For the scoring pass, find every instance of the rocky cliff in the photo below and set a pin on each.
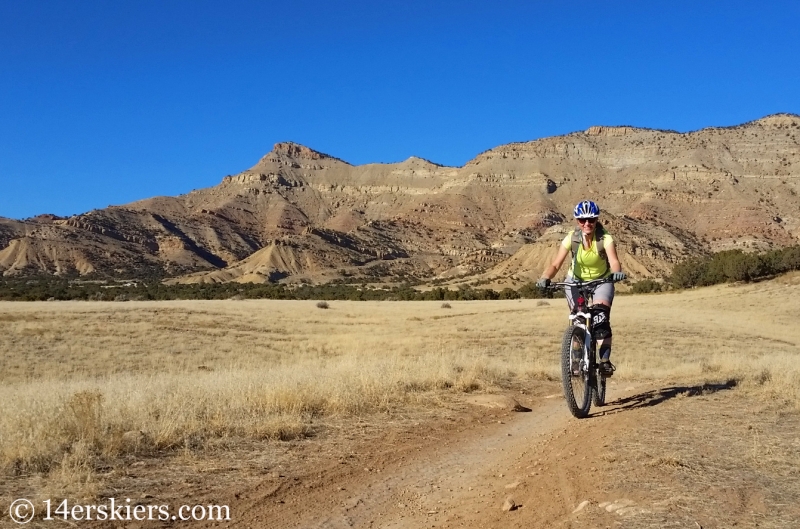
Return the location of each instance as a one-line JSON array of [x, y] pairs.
[[299, 214]]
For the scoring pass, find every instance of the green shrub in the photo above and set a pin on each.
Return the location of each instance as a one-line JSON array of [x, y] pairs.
[[734, 265], [646, 286]]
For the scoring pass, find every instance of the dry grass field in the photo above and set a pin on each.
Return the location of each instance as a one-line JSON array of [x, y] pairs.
[[83, 383]]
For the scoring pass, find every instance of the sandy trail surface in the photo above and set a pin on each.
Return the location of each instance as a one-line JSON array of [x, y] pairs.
[[656, 456], [451, 477], [458, 479], [708, 455]]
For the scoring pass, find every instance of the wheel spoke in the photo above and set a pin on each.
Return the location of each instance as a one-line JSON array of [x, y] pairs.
[[578, 378], [575, 373]]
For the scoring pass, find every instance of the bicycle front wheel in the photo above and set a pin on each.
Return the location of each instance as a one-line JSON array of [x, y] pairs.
[[575, 373]]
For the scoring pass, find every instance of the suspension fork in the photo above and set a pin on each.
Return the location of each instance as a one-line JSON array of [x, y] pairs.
[[587, 344], [586, 325]]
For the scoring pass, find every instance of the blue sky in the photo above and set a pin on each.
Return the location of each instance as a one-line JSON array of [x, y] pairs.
[[106, 102]]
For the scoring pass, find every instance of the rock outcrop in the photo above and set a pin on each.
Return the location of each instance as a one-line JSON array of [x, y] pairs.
[[301, 215]]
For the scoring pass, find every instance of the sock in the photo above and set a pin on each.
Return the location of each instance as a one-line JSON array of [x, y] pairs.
[[605, 352]]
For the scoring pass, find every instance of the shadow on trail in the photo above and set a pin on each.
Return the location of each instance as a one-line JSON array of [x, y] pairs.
[[657, 396]]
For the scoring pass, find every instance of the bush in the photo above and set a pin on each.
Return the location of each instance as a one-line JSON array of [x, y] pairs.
[[509, 293], [531, 291], [734, 265], [646, 286], [322, 305], [687, 274], [446, 306]]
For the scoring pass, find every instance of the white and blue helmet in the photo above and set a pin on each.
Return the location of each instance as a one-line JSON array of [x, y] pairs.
[[586, 210]]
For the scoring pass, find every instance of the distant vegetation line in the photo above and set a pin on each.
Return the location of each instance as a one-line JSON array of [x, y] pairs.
[[734, 265], [50, 288], [721, 267]]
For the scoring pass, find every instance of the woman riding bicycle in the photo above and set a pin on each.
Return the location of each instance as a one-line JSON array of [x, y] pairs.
[[594, 257]]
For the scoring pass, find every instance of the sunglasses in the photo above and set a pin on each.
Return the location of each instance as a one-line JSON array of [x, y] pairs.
[[590, 221]]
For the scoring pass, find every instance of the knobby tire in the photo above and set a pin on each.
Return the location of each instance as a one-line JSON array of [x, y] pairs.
[[577, 388], [599, 393]]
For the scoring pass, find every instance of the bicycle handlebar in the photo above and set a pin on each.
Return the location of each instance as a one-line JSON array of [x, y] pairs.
[[580, 284]]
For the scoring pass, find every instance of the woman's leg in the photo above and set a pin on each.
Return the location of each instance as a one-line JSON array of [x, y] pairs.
[[604, 346], [604, 295], [570, 294]]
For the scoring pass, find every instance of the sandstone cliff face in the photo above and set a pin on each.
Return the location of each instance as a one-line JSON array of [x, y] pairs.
[[302, 215]]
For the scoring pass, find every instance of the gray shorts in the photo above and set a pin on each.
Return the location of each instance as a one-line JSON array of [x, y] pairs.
[[604, 292]]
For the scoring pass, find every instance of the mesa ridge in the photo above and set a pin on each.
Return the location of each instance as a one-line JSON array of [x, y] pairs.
[[302, 215]]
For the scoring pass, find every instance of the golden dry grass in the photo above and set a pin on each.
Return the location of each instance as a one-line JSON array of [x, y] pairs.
[[733, 463], [83, 382]]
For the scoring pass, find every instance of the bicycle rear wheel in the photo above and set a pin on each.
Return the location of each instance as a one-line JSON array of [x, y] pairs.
[[575, 373], [599, 393]]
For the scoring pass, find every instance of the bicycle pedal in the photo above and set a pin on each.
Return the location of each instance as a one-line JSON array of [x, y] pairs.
[[607, 368]]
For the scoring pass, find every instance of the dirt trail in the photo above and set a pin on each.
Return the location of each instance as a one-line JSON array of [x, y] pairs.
[[660, 455], [456, 480], [656, 456], [459, 477]]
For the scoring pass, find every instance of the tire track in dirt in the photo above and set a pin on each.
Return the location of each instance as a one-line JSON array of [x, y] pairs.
[[456, 472], [459, 479], [623, 466], [461, 483]]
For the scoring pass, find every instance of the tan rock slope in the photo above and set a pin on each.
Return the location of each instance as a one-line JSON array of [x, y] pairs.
[[300, 215]]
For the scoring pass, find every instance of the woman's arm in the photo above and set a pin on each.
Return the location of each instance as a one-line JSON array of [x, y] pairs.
[[551, 270], [613, 260]]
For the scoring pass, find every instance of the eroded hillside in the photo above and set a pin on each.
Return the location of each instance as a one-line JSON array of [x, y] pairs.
[[300, 215]]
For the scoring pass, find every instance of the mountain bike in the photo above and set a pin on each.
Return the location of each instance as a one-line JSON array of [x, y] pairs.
[[581, 376]]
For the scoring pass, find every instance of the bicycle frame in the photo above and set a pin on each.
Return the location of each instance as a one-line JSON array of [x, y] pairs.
[[581, 315], [592, 385]]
